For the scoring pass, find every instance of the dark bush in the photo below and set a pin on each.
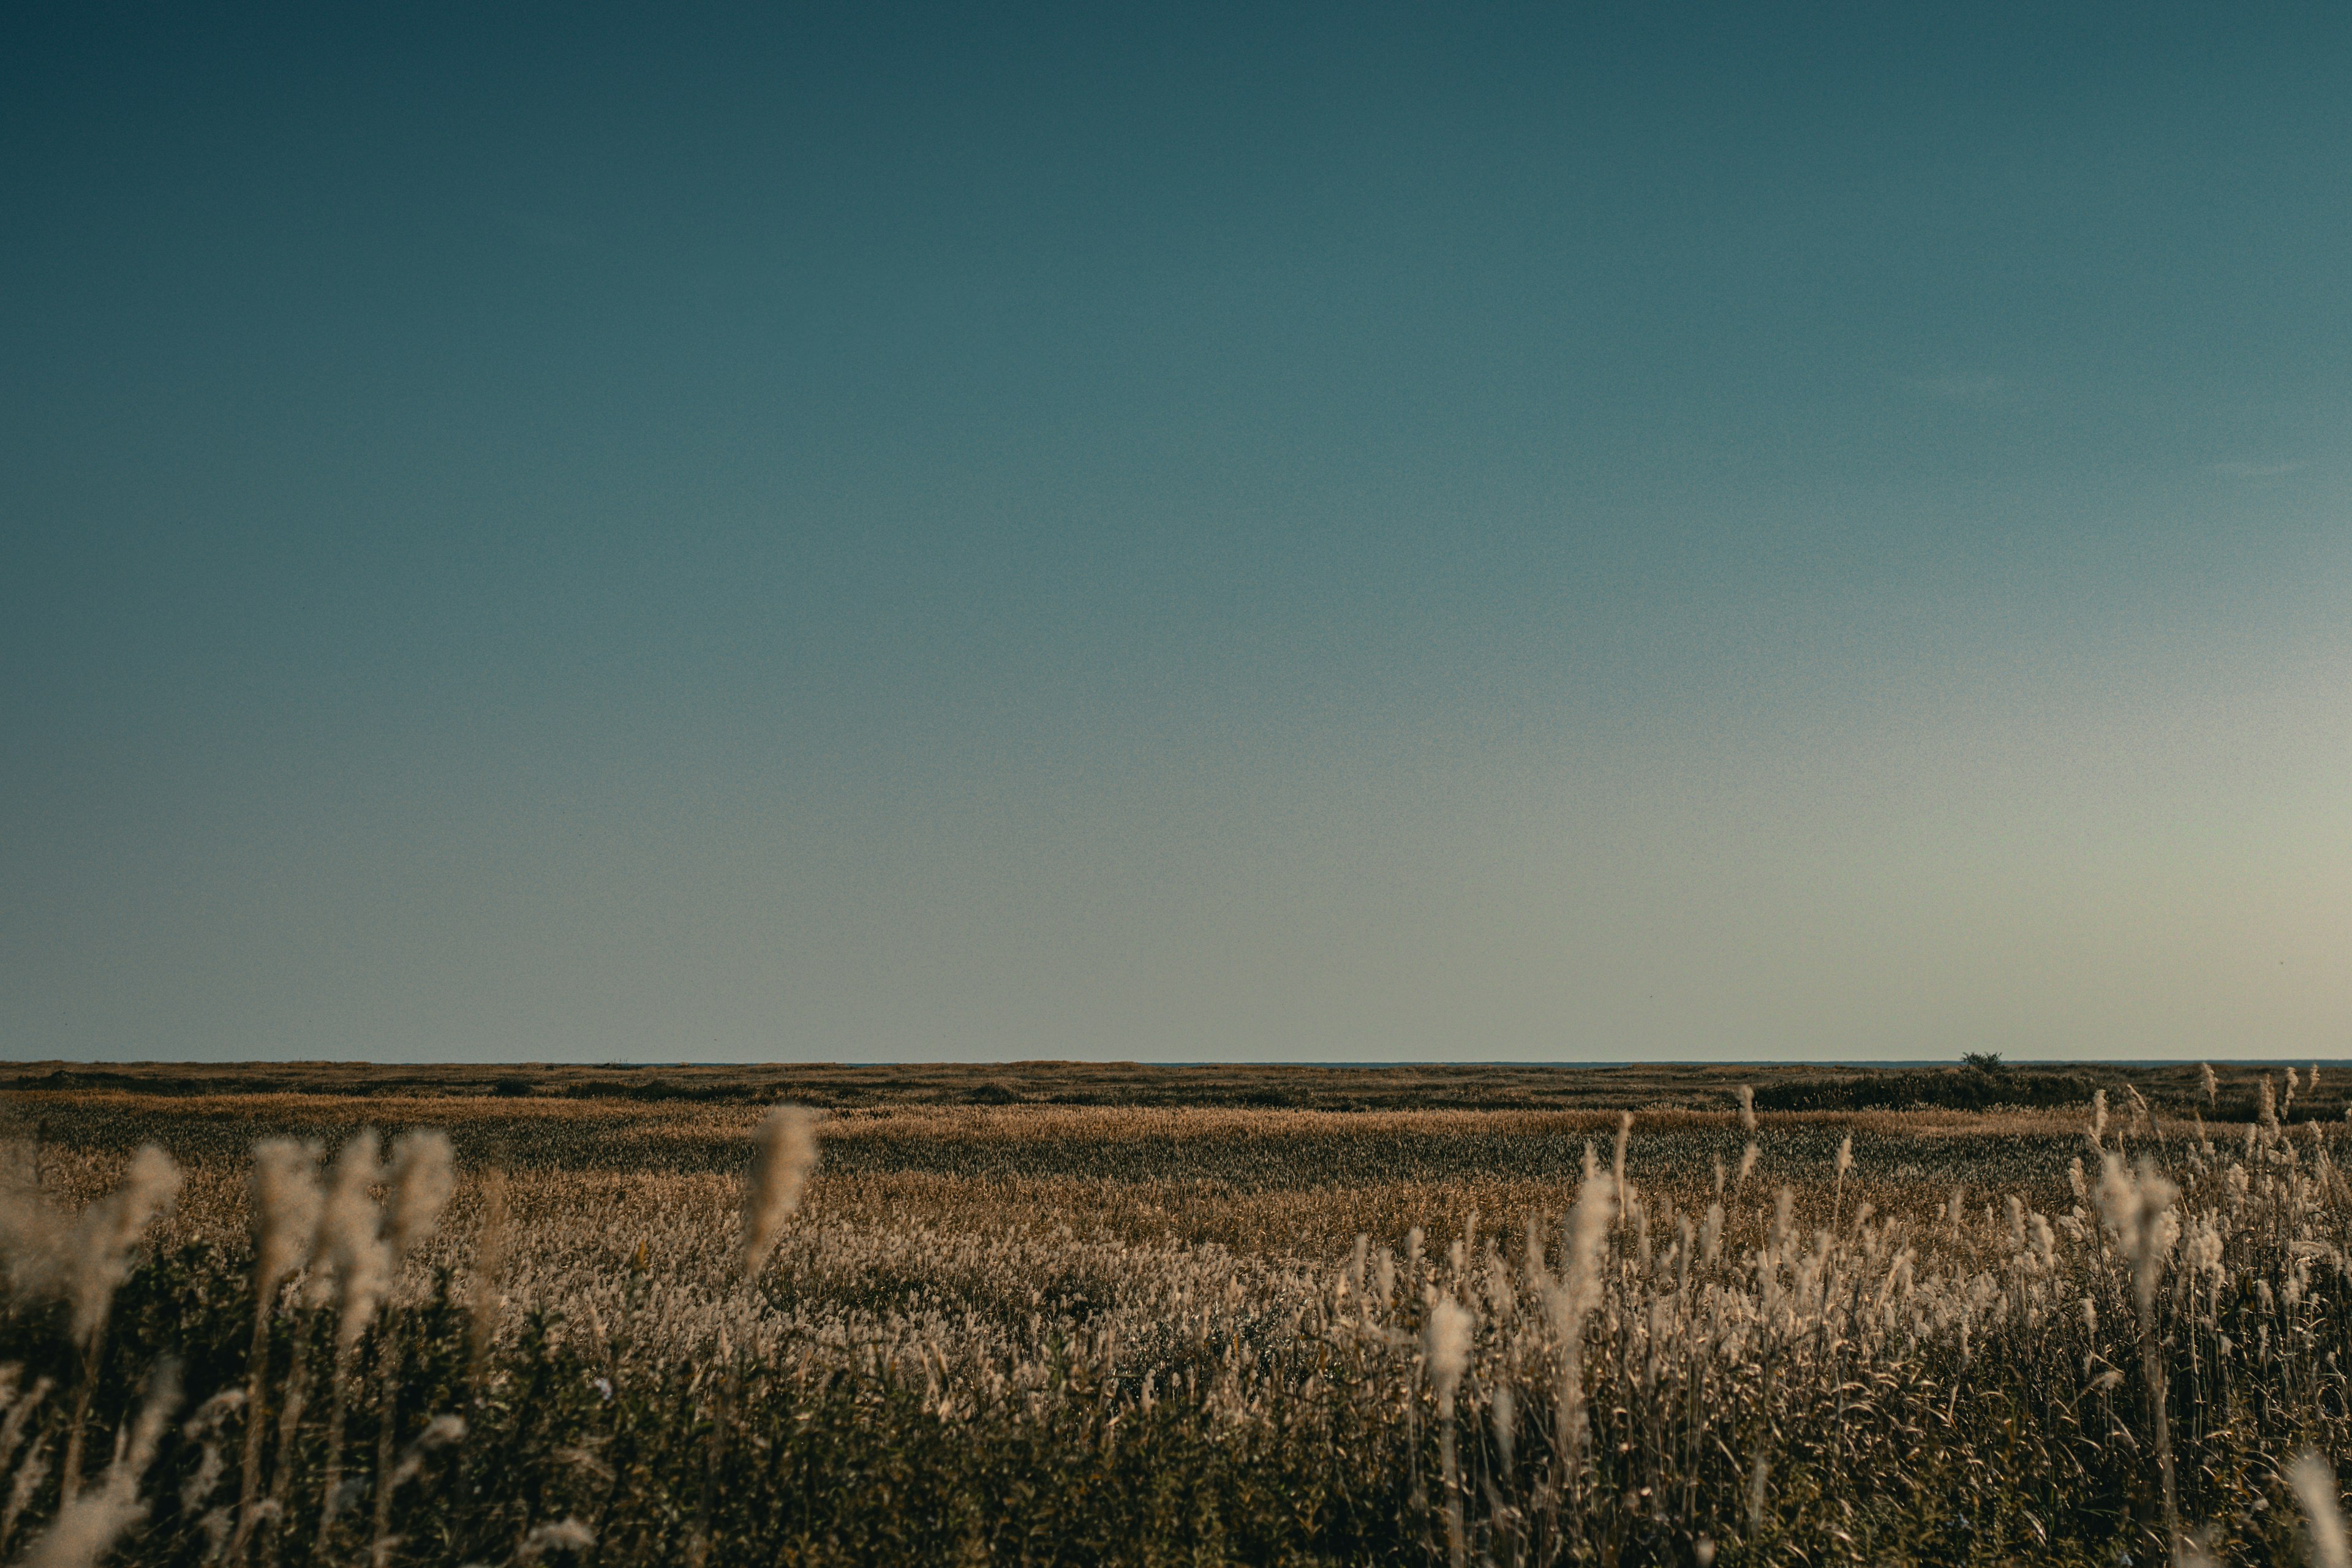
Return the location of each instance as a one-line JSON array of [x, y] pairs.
[[1953, 1089]]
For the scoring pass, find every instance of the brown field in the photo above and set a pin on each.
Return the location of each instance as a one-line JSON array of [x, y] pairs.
[[1045, 1281]]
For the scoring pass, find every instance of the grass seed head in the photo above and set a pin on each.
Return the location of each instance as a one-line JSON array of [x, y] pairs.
[[784, 1152], [421, 1178], [350, 1237], [286, 1204], [109, 1231], [2315, 1486], [1448, 1348]]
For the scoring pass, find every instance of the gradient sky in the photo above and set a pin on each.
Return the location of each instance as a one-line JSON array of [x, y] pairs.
[[1579, 533]]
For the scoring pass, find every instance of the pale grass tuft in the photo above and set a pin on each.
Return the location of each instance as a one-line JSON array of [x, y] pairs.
[[566, 1534], [88, 1526], [285, 1205], [2315, 1486], [350, 1237], [784, 1153], [421, 1179], [1448, 1348]]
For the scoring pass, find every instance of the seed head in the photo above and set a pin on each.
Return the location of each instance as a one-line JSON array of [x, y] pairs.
[[784, 1151], [100, 1257], [285, 1204], [2315, 1486], [1448, 1348], [350, 1237], [421, 1181]]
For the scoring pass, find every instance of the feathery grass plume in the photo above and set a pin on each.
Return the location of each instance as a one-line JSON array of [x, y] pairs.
[[1759, 1483], [88, 1523], [421, 1179], [1746, 1166], [492, 1244], [2288, 1104], [100, 1257], [1503, 1412], [784, 1152], [204, 1427], [2310, 1080], [566, 1534], [439, 1433], [350, 1237], [96, 1259], [2196, 1551], [21, 1487], [1747, 1109], [2269, 1109], [2137, 1209], [2213, 1085], [1448, 1350], [21, 1411], [2098, 1118], [350, 1230], [285, 1205], [2315, 1486], [1573, 1299], [35, 1467]]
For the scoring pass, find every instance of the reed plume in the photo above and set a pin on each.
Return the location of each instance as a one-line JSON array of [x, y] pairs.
[[421, 1176], [84, 1262], [1572, 1300], [88, 1523], [491, 1246], [285, 1206], [1448, 1352], [420, 1179], [2138, 1210], [784, 1152], [351, 1233], [2315, 1486]]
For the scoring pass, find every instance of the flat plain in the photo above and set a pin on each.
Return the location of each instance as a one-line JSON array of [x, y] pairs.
[[1041, 1312]]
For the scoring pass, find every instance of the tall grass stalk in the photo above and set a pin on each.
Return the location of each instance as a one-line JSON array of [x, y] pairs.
[[286, 1201]]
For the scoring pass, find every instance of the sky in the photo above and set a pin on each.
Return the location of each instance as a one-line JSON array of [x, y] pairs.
[[1198, 532]]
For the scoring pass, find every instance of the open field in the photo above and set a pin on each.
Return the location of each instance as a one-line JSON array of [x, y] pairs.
[[1072, 1314]]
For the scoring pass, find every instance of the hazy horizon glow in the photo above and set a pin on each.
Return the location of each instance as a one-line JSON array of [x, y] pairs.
[[1351, 535]]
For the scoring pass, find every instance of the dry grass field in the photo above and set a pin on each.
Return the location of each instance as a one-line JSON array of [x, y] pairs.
[[1040, 1313]]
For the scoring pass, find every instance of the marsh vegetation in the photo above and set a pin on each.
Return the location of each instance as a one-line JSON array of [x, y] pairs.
[[1022, 1318]]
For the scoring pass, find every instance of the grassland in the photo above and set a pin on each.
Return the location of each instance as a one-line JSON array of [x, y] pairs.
[[1053, 1314]]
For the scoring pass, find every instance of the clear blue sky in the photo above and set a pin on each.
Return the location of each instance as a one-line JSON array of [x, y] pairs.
[[1189, 532]]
